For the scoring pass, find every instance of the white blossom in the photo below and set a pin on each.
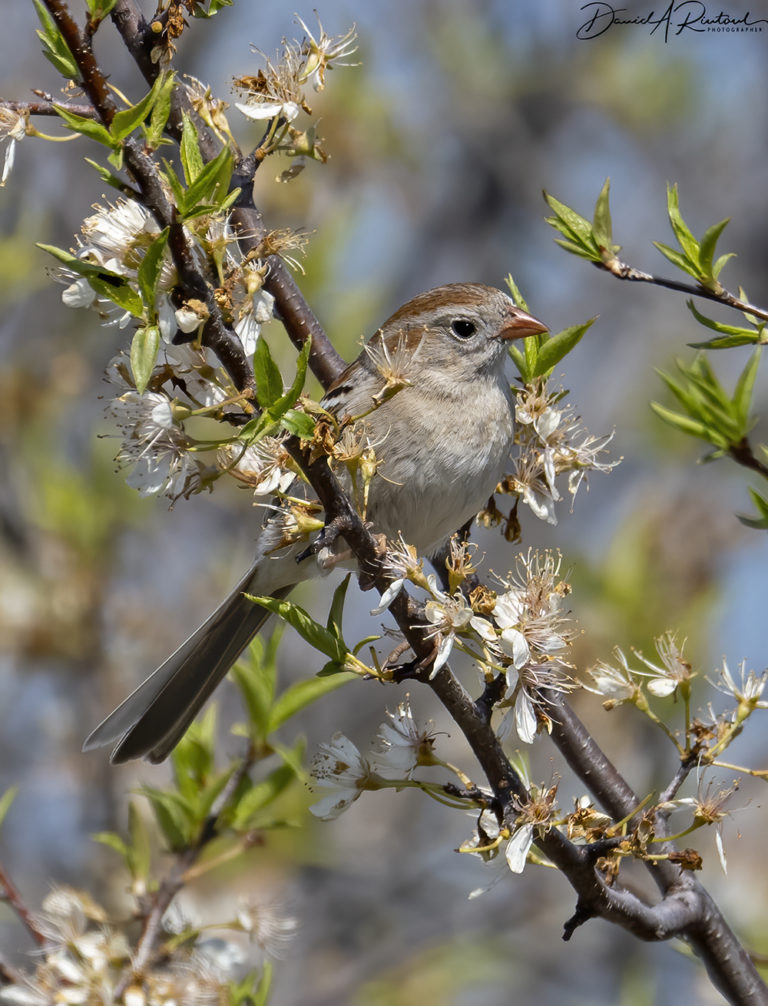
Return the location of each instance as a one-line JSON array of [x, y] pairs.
[[674, 670], [154, 445], [451, 615], [263, 466], [340, 767], [552, 443], [403, 743], [255, 109], [750, 687], [389, 595], [615, 682], [321, 53], [267, 924]]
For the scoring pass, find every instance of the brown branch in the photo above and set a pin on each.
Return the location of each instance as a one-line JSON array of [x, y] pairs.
[[742, 454], [670, 791], [686, 910], [621, 270], [9, 893], [48, 107], [92, 79], [728, 964]]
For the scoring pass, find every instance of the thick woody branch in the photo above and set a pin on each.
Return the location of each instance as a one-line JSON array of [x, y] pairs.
[[728, 964], [686, 911]]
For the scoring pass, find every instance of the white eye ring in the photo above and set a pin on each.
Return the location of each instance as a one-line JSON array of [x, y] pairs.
[[463, 328]]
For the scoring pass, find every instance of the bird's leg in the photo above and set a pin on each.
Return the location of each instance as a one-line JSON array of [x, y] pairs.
[[326, 539], [411, 668]]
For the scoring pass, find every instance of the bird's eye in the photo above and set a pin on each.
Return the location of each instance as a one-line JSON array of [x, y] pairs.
[[463, 328]]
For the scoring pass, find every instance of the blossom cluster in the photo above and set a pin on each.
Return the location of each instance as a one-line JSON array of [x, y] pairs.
[[401, 745], [552, 443], [277, 92], [116, 238], [87, 959], [186, 380], [522, 632]]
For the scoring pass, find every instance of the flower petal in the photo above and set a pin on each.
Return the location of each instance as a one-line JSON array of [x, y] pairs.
[[388, 596], [661, 687], [525, 718], [515, 645], [443, 652], [518, 847]]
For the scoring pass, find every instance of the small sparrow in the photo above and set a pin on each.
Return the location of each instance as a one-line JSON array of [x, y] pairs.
[[444, 441]]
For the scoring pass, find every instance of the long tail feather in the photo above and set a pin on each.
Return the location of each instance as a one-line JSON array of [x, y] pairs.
[[152, 720]]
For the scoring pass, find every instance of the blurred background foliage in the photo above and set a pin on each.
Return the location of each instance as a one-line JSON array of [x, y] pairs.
[[441, 142]]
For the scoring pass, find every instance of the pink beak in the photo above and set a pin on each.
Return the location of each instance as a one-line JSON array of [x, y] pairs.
[[520, 325]]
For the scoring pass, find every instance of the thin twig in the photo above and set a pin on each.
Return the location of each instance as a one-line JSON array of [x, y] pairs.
[[177, 877], [10, 894], [683, 771], [48, 108], [742, 454], [623, 271]]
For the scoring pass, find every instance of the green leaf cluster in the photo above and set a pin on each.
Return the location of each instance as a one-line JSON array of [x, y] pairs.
[[103, 281], [729, 335], [694, 257], [327, 639], [277, 411], [156, 105], [182, 811], [255, 675], [205, 188], [55, 49], [592, 240], [540, 354], [205, 800], [708, 411]]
